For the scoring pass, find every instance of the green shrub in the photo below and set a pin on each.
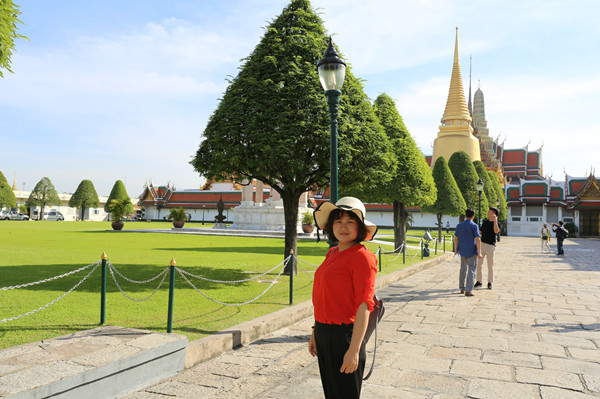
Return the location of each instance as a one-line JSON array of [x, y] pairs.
[[570, 226], [178, 214], [307, 218]]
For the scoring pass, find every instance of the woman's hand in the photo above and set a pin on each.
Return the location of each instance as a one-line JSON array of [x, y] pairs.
[[312, 345], [361, 320], [350, 362]]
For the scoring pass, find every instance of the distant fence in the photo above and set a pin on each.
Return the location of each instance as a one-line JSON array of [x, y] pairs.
[[292, 260]]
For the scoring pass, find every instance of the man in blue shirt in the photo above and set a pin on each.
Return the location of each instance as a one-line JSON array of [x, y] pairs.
[[468, 244]]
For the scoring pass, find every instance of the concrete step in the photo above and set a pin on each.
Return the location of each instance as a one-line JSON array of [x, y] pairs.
[[105, 362]]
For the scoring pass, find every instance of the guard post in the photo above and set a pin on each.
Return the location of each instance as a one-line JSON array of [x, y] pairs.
[[171, 295], [380, 258], [103, 290]]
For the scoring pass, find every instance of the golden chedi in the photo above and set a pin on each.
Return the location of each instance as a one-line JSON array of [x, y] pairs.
[[456, 133]]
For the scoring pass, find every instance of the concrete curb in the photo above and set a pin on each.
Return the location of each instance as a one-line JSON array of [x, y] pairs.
[[104, 362], [207, 348]]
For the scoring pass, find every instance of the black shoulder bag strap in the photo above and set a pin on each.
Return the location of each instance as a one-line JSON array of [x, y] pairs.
[[380, 310]]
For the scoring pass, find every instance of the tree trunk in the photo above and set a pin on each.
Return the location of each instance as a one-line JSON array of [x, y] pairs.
[[82, 212], [41, 215], [290, 211], [400, 218], [439, 223]]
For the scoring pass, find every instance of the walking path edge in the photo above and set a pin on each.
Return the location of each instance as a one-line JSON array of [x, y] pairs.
[[209, 347]]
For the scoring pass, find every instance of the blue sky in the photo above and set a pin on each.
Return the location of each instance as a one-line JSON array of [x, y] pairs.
[[109, 90]]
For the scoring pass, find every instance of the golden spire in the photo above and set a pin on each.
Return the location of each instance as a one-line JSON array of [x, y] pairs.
[[456, 106], [456, 132], [14, 186]]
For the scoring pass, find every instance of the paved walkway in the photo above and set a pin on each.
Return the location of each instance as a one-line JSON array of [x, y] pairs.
[[535, 335]]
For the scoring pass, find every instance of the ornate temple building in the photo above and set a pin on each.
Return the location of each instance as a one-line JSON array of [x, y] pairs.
[[248, 205], [532, 198]]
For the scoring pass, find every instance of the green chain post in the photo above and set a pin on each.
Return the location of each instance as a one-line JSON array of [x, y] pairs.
[[404, 253], [103, 290], [421, 248], [380, 258], [171, 294], [444, 243], [292, 277]]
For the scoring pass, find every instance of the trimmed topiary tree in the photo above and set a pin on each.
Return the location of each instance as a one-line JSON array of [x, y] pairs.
[[488, 187], [44, 194], [500, 195], [7, 196], [466, 177], [411, 182], [84, 197], [118, 192], [449, 199], [273, 121]]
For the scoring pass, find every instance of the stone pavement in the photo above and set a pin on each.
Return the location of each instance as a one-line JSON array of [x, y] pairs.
[[536, 334]]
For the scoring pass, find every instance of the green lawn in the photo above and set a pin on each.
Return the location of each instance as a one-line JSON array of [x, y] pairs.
[[31, 251], [413, 238]]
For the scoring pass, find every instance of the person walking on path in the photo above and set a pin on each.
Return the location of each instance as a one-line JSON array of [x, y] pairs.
[[467, 243], [561, 234], [447, 226], [489, 230], [343, 292], [545, 234]]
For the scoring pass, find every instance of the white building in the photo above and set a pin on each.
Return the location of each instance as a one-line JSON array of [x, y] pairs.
[[70, 214]]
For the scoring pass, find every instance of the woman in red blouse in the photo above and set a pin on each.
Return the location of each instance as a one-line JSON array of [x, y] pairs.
[[343, 297]]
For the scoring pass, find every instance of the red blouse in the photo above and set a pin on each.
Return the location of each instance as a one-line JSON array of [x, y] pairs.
[[342, 282]]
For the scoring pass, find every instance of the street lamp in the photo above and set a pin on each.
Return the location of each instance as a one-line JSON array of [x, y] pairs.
[[203, 206], [498, 207], [332, 70], [479, 186]]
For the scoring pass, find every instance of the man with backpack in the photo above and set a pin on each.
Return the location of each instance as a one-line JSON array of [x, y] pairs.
[[561, 234]]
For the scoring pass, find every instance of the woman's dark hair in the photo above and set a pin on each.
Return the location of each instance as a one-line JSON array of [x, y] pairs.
[[338, 214]]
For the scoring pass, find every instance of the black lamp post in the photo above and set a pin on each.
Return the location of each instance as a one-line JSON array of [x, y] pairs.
[[332, 70], [498, 207], [479, 186]]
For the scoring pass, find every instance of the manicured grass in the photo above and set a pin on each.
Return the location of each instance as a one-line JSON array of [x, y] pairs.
[[413, 238], [31, 251]]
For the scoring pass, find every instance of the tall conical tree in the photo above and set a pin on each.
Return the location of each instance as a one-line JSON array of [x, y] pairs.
[[449, 199], [118, 192], [499, 194], [488, 187], [7, 196], [412, 183], [84, 197], [466, 177], [273, 121], [44, 194]]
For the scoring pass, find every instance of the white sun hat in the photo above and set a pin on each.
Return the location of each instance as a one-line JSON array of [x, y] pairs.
[[321, 214]]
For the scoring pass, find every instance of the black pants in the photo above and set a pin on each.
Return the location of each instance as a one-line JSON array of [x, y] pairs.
[[332, 343], [559, 245]]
